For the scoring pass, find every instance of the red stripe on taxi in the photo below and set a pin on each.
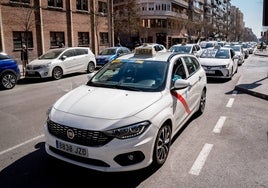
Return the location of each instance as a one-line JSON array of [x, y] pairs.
[[182, 100]]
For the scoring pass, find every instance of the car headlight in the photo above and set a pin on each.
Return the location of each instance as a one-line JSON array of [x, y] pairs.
[[225, 66], [129, 131]]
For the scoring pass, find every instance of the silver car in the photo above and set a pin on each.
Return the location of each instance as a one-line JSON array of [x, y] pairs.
[[61, 61]]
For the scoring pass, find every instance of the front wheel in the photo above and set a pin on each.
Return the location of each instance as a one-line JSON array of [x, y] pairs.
[[162, 145], [8, 80], [57, 73]]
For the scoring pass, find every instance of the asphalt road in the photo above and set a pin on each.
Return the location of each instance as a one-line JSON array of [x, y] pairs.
[[225, 147]]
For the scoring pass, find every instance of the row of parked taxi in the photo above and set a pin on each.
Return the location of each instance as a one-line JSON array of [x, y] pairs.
[[56, 63]]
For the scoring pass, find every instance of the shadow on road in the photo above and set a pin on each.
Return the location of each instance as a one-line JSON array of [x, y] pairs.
[[37, 169]]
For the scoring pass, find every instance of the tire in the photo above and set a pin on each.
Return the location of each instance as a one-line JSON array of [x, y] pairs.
[[90, 67], [8, 80], [162, 145], [57, 73], [202, 103]]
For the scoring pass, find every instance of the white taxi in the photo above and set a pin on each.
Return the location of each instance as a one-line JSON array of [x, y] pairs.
[[126, 115]]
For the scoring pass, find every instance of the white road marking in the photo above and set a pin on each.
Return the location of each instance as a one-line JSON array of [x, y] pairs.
[[219, 124], [230, 103], [21, 144], [201, 159]]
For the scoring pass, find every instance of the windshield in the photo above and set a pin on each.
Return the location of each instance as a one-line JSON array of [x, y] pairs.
[[109, 51], [135, 75], [216, 53], [180, 49], [52, 54]]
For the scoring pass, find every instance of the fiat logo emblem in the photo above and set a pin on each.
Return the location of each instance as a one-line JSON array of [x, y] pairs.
[[70, 133]]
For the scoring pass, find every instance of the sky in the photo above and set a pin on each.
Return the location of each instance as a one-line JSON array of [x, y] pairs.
[[252, 10]]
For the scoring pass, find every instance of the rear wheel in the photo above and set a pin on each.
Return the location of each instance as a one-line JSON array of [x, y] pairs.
[[202, 103], [57, 73], [90, 67], [162, 145], [8, 80]]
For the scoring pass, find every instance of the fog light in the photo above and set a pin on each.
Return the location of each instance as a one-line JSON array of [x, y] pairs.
[[129, 158], [45, 73]]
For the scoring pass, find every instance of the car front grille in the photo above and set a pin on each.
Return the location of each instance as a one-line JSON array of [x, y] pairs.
[[80, 136]]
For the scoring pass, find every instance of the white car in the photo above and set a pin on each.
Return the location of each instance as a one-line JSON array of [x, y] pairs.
[[194, 49], [219, 62], [240, 54], [61, 61], [125, 117]]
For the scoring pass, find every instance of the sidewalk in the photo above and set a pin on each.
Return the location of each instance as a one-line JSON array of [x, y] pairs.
[[254, 76]]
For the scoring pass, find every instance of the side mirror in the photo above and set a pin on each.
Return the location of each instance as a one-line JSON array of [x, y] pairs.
[[181, 84], [236, 57], [63, 57]]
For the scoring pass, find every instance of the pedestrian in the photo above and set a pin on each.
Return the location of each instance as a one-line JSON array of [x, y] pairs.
[[24, 58]]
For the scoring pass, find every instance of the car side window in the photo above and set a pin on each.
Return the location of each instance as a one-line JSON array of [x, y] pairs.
[[80, 51], [178, 71], [68, 53], [190, 64]]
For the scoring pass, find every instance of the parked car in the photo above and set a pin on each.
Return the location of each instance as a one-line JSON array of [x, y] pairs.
[[61, 61], [194, 49], [208, 44], [261, 46], [219, 62], [157, 47], [125, 117], [238, 51], [111, 53], [9, 71]]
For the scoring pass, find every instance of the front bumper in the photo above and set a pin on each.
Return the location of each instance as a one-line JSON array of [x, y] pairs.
[[117, 155], [218, 72]]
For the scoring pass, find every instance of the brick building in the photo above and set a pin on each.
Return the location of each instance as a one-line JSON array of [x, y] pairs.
[[45, 24]]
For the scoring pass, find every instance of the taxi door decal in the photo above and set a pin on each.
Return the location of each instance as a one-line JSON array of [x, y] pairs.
[[182, 100]]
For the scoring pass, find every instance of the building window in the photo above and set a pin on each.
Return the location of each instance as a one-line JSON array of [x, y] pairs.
[[55, 3], [20, 1], [102, 7], [22, 37], [83, 38], [103, 38], [56, 39], [82, 5]]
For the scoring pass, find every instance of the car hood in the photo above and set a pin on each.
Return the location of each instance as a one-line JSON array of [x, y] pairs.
[[105, 103], [213, 61], [40, 61]]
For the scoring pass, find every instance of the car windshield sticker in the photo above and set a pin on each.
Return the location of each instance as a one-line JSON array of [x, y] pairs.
[[182, 100]]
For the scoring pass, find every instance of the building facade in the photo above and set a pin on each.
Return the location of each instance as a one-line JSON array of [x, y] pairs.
[[47, 24], [170, 22]]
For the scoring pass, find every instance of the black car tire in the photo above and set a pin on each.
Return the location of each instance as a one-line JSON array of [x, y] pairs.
[[90, 67], [57, 73], [162, 145], [8, 80], [202, 103]]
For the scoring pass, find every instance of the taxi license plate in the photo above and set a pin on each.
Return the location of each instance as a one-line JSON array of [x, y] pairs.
[[30, 72], [69, 148], [210, 71]]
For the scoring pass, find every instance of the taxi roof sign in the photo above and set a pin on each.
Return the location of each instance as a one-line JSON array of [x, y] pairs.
[[145, 50]]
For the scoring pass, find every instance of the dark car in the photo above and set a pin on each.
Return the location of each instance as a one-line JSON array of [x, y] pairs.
[[9, 71], [111, 53]]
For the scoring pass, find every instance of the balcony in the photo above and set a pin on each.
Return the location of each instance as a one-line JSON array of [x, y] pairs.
[[181, 2], [164, 14]]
